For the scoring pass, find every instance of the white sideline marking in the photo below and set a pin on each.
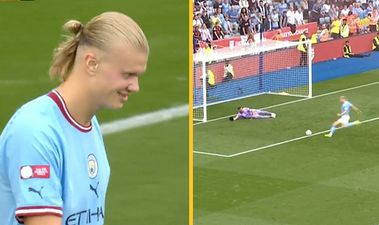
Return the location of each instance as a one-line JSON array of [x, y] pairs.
[[144, 119], [211, 154], [279, 143], [298, 100]]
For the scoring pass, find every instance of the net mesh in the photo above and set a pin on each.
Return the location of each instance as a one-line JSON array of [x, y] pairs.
[[271, 67]]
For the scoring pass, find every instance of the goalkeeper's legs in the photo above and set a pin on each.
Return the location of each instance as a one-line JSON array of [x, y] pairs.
[[265, 115]]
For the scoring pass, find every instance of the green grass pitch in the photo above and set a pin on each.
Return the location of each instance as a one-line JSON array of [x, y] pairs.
[[149, 165], [311, 181]]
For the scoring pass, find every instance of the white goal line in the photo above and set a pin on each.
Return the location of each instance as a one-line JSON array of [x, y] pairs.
[[298, 100], [278, 143]]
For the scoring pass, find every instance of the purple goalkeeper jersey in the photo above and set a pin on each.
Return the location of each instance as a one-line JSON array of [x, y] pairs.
[[247, 113]]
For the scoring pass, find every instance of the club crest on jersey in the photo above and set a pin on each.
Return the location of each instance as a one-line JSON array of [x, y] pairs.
[[92, 166]]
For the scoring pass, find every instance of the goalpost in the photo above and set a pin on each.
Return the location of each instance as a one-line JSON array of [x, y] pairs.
[[268, 67]]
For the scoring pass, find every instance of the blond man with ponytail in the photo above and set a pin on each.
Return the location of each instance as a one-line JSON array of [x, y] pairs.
[[53, 164]]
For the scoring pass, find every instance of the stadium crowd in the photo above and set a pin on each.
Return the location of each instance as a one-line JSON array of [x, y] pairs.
[[219, 19]]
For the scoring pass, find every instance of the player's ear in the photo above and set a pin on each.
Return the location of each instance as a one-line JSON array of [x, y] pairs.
[[91, 63]]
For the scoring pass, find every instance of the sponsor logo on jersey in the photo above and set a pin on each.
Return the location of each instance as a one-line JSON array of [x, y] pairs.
[[36, 191], [86, 217], [36, 171], [92, 166], [94, 189]]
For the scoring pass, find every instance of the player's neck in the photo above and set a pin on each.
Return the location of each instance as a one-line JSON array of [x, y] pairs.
[[77, 101]]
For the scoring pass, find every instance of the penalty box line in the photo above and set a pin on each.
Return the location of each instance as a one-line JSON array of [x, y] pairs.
[[299, 100], [278, 143]]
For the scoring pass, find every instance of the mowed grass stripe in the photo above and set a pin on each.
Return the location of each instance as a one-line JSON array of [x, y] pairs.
[[226, 138]]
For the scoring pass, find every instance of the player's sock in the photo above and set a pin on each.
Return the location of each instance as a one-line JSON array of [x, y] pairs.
[[332, 130], [354, 123]]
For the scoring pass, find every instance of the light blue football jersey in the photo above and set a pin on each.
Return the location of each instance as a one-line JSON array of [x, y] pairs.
[[346, 107], [51, 165]]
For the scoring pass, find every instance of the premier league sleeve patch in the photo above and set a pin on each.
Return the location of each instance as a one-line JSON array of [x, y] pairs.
[[35, 171]]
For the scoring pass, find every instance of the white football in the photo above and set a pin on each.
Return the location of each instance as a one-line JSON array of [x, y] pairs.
[[308, 132]]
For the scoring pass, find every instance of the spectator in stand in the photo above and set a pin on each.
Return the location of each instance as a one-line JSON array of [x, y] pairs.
[[263, 11], [369, 8], [267, 24], [233, 17], [230, 26], [324, 35], [304, 6], [254, 22], [217, 4], [196, 9], [195, 44], [316, 11], [215, 19], [335, 28], [363, 24], [203, 6], [244, 4], [372, 22], [235, 2], [217, 31], [250, 38], [375, 43], [283, 20], [299, 20], [291, 19], [333, 12], [228, 72], [253, 5], [282, 7], [205, 34], [244, 21], [222, 20], [206, 20], [375, 3], [225, 7], [324, 13], [274, 19], [197, 34], [278, 36], [344, 11], [197, 21], [352, 23], [348, 53], [358, 11], [344, 32]]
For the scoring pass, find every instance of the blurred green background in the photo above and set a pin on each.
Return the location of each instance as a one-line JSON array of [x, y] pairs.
[[149, 179]]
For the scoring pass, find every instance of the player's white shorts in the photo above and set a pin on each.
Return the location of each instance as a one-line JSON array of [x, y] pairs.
[[344, 120]]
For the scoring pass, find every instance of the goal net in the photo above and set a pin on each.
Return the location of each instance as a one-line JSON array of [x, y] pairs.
[[268, 67]]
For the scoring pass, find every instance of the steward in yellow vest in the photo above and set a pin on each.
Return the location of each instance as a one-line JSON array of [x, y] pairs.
[[302, 47], [347, 52], [375, 43]]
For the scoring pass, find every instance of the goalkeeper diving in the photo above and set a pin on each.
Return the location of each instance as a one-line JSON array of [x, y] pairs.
[[344, 119], [249, 113]]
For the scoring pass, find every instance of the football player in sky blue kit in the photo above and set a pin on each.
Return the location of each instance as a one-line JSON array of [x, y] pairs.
[[53, 165], [344, 119], [248, 113]]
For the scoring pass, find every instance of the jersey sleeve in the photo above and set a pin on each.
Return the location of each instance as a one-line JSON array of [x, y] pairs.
[[33, 169]]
